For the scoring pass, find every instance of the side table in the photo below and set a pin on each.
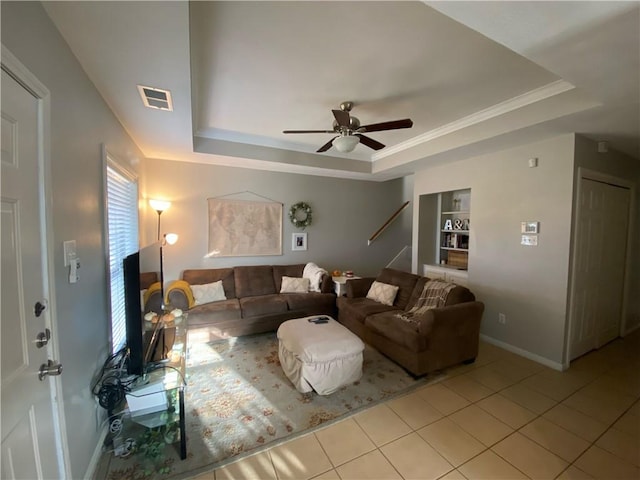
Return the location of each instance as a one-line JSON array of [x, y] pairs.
[[162, 387], [340, 284]]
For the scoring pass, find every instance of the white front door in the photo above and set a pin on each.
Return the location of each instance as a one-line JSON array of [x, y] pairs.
[[28, 435], [599, 266]]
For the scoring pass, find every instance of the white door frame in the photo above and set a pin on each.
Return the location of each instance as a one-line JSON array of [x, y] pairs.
[[588, 174], [12, 66]]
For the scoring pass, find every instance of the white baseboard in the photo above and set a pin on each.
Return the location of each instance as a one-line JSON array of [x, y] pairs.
[[524, 353], [97, 453]]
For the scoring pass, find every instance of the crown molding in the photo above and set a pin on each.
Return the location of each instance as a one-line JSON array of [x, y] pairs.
[[502, 108]]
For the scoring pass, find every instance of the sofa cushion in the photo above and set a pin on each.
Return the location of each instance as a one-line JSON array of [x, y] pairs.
[[294, 285], [263, 305], [388, 325], [210, 275], [359, 308], [254, 280], [312, 303], [215, 311], [280, 271], [209, 292], [404, 280], [383, 293]]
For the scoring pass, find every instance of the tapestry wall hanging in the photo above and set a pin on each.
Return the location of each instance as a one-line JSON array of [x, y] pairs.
[[244, 228]]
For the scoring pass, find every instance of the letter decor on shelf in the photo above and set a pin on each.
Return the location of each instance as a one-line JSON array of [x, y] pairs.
[[388, 222]]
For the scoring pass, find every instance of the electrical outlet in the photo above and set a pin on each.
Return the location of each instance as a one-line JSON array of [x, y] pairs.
[[502, 318]]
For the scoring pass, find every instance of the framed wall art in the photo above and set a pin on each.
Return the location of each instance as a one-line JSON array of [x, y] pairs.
[[244, 228], [299, 241]]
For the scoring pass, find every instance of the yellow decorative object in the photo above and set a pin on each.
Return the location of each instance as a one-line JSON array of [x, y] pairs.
[[154, 287], [185, 288]]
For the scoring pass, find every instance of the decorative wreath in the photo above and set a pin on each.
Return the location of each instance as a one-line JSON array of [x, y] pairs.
[[293, 215]]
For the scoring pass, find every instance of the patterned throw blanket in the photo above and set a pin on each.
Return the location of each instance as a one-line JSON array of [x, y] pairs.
[[434, 295]]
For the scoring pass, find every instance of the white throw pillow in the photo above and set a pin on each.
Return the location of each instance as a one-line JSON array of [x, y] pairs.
[[294, 285], [209, 292], [383, 293]]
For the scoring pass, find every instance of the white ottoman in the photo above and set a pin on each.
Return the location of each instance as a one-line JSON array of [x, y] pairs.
[[321, 357]]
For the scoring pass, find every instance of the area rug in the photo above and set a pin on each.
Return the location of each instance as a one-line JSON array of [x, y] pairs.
[[238, 401]]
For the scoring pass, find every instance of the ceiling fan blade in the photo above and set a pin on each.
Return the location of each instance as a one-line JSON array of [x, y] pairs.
[[326, 146], [370, 142], [393, 125], [308, 131], [342, 117]]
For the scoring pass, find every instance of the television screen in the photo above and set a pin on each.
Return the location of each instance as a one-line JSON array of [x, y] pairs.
[[143, 293]]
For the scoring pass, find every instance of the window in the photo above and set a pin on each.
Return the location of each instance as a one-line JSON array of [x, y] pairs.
[[122, 231]]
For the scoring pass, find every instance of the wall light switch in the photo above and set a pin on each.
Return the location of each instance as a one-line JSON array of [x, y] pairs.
[[69, 248], [529, 240]]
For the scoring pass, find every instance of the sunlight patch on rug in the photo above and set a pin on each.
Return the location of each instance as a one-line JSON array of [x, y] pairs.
[[239, 401]]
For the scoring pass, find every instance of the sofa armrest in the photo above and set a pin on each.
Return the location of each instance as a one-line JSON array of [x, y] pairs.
[[326, 284], [446, 324], [358, 287]]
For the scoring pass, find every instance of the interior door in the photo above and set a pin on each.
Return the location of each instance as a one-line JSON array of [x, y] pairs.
[[616, 207], [599, 267], [28, 437]]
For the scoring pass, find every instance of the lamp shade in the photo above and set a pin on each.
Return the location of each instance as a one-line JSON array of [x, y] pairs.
[[171, 238], [346, 143], [159, 205]]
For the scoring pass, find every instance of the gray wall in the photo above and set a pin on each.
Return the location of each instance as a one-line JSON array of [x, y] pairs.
[[345, 214], [528, 284], [80, 123]]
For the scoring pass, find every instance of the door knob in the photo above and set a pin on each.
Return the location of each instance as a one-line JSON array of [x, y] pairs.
[[49, 368]]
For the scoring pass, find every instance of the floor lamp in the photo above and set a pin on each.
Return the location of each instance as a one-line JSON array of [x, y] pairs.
[[159, 206]]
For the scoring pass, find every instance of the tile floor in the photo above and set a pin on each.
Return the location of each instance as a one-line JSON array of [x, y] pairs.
[[504, 417]]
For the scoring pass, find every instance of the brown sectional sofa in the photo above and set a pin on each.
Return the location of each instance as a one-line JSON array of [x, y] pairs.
[[439, 338], [253, 304]]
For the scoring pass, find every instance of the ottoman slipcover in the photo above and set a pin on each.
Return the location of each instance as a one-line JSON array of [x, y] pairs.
[[321, 357]]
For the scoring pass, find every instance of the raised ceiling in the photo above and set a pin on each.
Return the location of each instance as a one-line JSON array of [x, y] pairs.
[[473, 76]]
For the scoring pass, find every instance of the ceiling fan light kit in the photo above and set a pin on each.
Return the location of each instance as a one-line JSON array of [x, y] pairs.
[[346, 143], [350, 132]]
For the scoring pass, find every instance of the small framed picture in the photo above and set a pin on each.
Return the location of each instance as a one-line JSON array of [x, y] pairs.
[[530, 227], [299, 241]]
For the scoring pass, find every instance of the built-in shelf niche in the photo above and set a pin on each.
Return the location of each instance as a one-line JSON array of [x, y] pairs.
[[444, 229]]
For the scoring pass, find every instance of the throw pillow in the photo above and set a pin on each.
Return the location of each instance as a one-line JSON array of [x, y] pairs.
[[294, 285], [383, 293], [208, 292]]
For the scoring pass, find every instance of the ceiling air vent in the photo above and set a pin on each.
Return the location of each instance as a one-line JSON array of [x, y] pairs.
[[156, 98]]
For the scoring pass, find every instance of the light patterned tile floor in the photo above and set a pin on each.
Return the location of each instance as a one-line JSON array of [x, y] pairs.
[[504, 417]]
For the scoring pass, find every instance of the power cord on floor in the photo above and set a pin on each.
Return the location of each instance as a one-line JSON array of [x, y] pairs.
[[112, 383]]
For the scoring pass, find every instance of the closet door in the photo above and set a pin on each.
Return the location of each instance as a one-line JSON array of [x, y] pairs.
[[599, 268]]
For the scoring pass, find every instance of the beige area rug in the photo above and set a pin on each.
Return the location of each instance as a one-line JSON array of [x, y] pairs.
[[238, 402]]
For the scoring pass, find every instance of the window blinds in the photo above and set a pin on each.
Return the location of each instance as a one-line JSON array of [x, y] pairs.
[[122, 226]]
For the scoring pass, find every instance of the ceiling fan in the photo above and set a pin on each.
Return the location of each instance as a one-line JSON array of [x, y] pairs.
[[350, 132]]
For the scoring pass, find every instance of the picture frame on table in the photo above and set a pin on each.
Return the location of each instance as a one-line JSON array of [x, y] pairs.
[[299, 241]]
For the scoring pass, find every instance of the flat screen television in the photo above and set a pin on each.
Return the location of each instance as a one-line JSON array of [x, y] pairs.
[[140, 270]]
